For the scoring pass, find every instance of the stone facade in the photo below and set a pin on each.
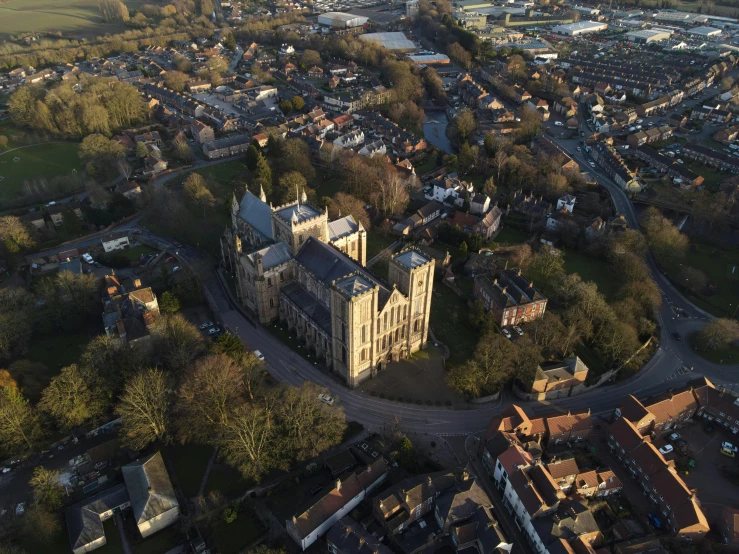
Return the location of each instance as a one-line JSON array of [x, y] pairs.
[[309, 274]]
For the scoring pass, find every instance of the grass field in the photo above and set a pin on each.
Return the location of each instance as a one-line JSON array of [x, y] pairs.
[[728, 355], [451, 325], [592, 269], [79, 18], [717, 264], [42, 160], [377, 242]]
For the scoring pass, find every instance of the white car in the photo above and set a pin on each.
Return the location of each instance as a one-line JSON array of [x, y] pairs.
[[259, 355], [592, 164], [214, 330], [559, 124], [205, 325], [679, 161], [175, 268], [518, 330], [20, 509], [325, 398], [88, 258], [666, 449], [506, 333], [729, 446], [674, 436]]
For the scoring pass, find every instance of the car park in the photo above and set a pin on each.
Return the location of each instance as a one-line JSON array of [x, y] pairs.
[[666, 449], [506, 333], [259, 355], [326, 399]]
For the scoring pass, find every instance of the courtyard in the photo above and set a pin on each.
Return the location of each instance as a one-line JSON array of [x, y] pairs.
[[420, 379]]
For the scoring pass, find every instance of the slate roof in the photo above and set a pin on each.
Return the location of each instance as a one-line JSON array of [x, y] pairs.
[[571, 520], [341, 228], [350, 537], [272, 255], [461, 502], [309, 304], [257, 214], [83, 519], [149, 487], [328, 265], [303, 212], [411, 259]]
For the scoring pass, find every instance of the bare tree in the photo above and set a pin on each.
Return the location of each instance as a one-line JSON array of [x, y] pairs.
[[124, 168], [144, 407]]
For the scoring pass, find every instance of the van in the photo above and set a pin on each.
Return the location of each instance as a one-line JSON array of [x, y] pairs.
[[88, 258]]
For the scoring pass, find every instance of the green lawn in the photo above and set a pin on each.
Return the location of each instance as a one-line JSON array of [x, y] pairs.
[[451, 325], [226, 479], [160, 542], [227, 174], [717, 263], [189, 462], [232, 538], [42, 160], [592, 269], [75, 17], [376, 242], [429, 164], [727, 356], [48, 354], [508, 236], [134, 253], [712, 177]]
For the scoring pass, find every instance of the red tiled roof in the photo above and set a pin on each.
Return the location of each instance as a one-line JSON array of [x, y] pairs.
[[625, 434], [690, 515], [670, 408], [648, 458], [634, 411], [563, 468], [513, 458], [570, 422]]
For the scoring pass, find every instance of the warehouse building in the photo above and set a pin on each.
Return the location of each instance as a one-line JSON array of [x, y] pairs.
[[397, 42], [430, 59], [340, 20], [647, 36], [579, 28], [705, 32]]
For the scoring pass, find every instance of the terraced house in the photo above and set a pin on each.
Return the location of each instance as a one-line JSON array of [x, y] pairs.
[[293, 265]]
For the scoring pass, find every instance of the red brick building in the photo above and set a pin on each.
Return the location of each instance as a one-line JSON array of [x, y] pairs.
[[511, 297]]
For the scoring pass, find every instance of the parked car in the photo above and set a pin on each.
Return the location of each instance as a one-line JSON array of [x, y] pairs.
[[205, 325], [315, 490], [729, 446], [559, 124], [677, 335], [20, 509], [674, 436], [709, 428], [88, 258], [175, 268], [506, 333], [259, 355], [214, 330], [666, 449], [518, 330], [325, 398], [654, 520]]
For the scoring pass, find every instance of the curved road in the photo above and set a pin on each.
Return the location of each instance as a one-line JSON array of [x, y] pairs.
[[669, 368]]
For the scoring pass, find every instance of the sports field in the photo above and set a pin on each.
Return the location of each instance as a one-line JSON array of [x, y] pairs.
[[41, 160], [78, 17]]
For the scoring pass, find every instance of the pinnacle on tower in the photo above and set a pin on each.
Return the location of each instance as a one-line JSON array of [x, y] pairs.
[[304, 197], [262, 196]]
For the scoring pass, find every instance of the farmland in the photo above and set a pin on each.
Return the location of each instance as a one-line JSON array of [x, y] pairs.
[[78, 17]]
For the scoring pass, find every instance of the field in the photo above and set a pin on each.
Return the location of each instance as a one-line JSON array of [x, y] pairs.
[[41, 160], [592, 269], [78, 17], [451, 325]]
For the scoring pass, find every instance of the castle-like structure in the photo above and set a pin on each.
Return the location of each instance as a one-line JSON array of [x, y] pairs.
[[293, 265]]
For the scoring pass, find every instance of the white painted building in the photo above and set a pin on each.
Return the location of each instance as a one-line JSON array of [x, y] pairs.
[[350, 140], [579, 28], [115, 241]]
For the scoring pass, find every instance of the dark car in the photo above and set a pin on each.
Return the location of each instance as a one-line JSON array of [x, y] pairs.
[[678, 336], [709, 428], [315, 490], [654, 520]]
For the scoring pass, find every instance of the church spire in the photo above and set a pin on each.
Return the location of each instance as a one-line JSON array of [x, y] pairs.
[[262, 196]]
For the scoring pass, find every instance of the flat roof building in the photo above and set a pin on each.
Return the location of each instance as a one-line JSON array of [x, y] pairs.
[[341, 20], [705, 32], [397, 42], [579, 28], [646, 36], [430, 59]]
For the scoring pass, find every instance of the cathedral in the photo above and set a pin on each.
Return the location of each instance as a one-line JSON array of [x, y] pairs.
[[293, 265]]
